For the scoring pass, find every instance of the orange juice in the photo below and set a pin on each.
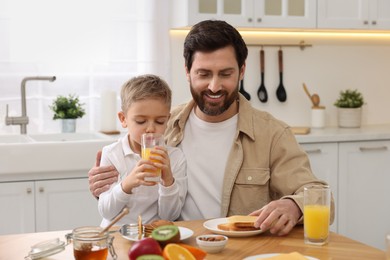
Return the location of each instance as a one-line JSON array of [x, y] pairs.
[[145, 153], [316, 221]]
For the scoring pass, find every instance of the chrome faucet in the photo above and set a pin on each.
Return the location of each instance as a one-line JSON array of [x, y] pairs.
[[23, 119]]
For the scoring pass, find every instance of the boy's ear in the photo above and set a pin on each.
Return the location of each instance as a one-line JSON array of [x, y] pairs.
[[122, 119]]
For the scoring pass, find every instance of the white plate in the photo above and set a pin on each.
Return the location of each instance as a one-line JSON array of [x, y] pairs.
[[212, 225], [254, 257], [184, 234]]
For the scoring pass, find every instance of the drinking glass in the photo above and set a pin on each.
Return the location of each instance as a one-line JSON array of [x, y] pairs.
[[148, 142], [316, 214]]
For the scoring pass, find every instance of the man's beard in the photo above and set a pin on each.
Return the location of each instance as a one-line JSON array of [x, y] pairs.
[[214, 108]]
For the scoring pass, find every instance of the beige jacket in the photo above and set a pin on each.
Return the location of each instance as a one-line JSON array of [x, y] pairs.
[[265, 163]]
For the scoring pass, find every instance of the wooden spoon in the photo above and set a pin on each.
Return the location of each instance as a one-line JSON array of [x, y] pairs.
[[315, 99], [124, 212]]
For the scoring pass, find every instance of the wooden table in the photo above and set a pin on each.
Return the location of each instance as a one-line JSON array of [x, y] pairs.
[[17, 246]]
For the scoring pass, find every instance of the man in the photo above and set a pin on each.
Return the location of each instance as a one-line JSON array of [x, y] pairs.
[[239, 160]]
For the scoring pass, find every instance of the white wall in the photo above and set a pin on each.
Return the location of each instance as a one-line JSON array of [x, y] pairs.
[[330, 65]]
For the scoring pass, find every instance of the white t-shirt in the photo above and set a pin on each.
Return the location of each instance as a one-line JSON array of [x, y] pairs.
[[151, 202], [206, 147]]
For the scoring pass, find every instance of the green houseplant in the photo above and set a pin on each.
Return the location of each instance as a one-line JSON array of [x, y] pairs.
[[349, 106], [68, 109], [350, 99]]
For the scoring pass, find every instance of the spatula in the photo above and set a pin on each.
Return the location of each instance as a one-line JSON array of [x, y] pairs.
[[243, 92]]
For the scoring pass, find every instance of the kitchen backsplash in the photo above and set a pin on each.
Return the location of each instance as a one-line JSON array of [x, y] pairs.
[[327, 67]]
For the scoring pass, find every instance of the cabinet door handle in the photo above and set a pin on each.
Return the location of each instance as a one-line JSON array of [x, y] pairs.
[[314, 151], [29, 190], [41, 189], [365, 22], [377, 148], [259, 20], [373, 22], [250, 20]]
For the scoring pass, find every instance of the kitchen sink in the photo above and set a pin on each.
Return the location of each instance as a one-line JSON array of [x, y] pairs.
[[67, 137], [14, 139], [56, 153]]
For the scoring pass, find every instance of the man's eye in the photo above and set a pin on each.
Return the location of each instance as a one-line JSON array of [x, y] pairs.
[[226, 74]]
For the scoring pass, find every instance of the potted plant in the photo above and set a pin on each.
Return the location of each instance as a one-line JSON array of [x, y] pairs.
[[68, 109], [349, 106]]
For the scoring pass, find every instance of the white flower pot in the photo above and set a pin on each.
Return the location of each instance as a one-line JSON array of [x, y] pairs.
[[349, 117], [68, 125]]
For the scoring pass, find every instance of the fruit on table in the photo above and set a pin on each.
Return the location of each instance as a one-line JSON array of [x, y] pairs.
[[198, 253], [166, 234], [150, 257], [175, 252], [146, 246]]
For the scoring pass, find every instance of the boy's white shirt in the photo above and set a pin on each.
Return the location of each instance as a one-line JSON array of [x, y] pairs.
[[205, 177], [151, 202]]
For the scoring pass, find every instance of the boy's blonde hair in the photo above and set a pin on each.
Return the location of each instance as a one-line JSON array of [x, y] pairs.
[[145, 87]]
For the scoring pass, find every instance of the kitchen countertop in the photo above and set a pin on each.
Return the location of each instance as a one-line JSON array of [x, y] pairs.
[[336, 134]]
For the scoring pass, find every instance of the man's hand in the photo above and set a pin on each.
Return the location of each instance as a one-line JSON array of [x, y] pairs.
[[279, 216], [101, 177]]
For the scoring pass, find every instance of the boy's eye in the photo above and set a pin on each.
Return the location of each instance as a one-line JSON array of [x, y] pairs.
[[161, 122], [140, 122]]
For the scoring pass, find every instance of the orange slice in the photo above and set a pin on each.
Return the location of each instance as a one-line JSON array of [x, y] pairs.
[[176, 252], [198, 253]]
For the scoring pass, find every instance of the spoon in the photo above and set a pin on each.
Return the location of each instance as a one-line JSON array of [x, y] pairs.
[[124, 212], [315, 99], [243, 92], [262, 91], [280, 91]]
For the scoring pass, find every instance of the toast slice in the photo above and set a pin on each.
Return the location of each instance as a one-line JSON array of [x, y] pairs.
[[239, 223]]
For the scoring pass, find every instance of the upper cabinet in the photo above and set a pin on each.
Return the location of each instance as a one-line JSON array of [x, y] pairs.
[[353, 14], [247, 13]]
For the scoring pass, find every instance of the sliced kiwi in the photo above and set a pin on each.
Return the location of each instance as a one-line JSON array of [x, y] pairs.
[[166, 234], [150, 257]]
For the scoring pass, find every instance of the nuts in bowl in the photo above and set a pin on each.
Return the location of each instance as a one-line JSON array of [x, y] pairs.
[[211, 243]]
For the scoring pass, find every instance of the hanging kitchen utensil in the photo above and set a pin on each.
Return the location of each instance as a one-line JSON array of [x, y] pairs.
[[243, 92], [262, 91], [280, 91]]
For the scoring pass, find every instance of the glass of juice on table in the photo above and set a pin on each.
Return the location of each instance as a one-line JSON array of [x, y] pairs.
[[148, 142], [316, 213]]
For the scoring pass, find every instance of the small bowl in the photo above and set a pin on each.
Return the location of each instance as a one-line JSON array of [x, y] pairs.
[[212, 243]]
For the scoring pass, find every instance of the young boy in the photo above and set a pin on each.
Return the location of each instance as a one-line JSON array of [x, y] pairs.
[[146, 104]]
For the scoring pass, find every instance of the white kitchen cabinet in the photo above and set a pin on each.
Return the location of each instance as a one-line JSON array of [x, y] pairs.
[[247, 13], [36, 206], [64, 204], [353, 14], [324, 164], [364, 191], [17, 200]]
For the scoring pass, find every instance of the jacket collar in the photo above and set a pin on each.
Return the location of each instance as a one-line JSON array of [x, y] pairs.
[[245, 116]]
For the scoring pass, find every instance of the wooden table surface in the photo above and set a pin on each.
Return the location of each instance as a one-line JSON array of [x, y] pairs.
[[13, 247]]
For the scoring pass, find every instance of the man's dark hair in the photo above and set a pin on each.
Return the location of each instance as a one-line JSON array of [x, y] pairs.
[[211, 35]]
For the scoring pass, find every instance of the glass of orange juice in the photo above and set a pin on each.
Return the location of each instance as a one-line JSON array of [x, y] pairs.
[[148, 142], [316, 212]]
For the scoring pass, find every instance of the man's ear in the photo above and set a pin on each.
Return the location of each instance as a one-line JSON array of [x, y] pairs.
[[122, 119], [187, 74], [242, 71]]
